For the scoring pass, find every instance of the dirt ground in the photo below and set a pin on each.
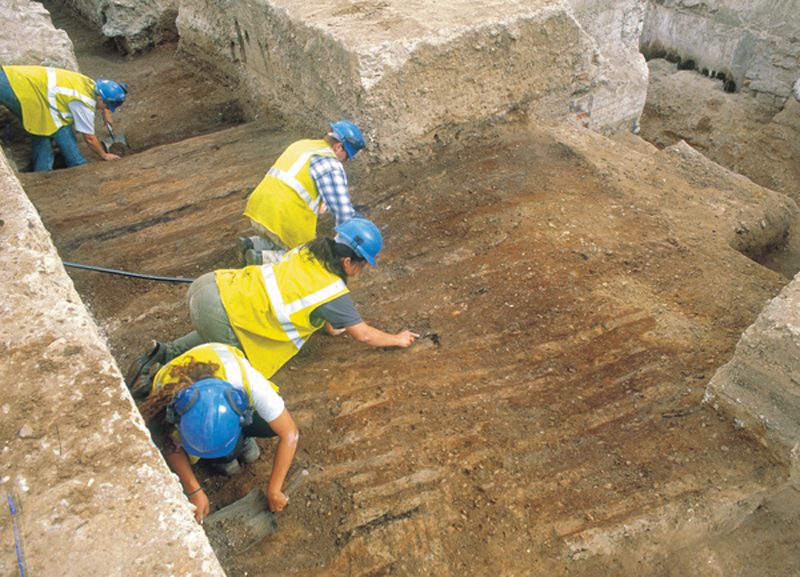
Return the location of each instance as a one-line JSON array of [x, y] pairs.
[[550, 419]]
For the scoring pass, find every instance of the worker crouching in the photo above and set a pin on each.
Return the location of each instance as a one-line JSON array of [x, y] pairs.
[[216, 404], [307, 180]]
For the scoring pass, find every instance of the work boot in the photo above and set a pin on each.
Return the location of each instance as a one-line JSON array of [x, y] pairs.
[[250, 451], [138, 376], [252, 257], [228, 468], [245, 244]]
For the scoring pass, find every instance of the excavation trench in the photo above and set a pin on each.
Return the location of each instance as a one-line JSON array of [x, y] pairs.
[[575, 296]]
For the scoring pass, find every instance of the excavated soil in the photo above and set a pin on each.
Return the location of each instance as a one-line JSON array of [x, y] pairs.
[[549, 421]]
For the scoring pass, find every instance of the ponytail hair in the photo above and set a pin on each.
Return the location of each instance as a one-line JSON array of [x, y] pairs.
[[330, 254]]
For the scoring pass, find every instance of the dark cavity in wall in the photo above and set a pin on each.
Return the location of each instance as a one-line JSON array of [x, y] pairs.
[[656, 50]]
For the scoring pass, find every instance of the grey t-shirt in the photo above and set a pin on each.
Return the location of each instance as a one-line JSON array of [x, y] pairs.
[[340, 312]]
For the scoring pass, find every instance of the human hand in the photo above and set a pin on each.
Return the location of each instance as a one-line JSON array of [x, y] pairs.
[[323, 208], [405, 338], [109, 156], [201, 505], [277, 501]]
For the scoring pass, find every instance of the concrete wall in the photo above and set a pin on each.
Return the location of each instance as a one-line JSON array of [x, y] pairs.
[[754, 43]]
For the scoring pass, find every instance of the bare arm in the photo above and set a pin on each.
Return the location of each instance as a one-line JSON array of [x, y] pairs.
[[97, 148], [287, 444], [179, 462], [373, 337], [332, 331]]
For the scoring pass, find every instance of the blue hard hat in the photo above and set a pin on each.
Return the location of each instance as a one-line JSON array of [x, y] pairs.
[[362, 236], [350, 136], [112, 93], [210, 415]]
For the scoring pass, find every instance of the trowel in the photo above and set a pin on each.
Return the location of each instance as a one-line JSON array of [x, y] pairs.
[[243, 523], [113, 139]]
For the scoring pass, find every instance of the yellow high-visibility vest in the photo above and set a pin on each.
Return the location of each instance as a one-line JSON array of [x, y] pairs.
[[270, 306], [231, 364], [45, 93], [287, 200]]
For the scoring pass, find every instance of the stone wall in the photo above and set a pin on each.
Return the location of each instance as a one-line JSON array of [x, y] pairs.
[[619, 93], [754, 44], [760, 387], [132, 24], [408, 74], [29, 37], [92, 491], [411, 74]]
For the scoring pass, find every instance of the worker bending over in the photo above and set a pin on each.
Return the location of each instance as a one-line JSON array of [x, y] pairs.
[[49, 101], [307, 179]]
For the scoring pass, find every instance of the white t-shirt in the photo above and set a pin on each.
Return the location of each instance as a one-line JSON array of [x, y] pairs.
[[83, 115], [266, 401]]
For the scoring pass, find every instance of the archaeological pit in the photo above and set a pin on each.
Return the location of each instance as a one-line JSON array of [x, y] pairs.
[[590, 216]]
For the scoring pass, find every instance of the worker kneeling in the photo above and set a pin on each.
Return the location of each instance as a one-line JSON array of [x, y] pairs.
[[270, 311], [217, 403]]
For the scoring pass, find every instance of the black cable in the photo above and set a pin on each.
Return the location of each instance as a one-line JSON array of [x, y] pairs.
[[126, 273]]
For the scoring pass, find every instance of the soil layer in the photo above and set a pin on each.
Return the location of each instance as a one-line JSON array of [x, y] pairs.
[[549, 420]]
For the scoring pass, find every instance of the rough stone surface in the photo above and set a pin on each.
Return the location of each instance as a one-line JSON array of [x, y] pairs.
[[754, 43], [618, 96], [737, 131], [412, 73], [92, 489], [29, 37], [760, 386], [132, 24]]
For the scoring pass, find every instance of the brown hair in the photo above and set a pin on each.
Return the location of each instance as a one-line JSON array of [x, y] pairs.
[[180, 376]]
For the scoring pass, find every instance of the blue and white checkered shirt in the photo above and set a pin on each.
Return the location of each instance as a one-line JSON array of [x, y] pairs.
[[329, 176]]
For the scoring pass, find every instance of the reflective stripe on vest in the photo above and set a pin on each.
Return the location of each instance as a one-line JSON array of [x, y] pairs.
[[235, 372], [283, 311], [289, 179], [45, 93]]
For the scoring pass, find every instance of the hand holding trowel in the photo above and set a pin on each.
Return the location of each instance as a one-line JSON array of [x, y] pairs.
[[242, 524], [113, 139]]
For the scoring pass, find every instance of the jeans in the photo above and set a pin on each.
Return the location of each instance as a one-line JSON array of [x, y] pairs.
[[42, 149], [7, 96], [42, 146]]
